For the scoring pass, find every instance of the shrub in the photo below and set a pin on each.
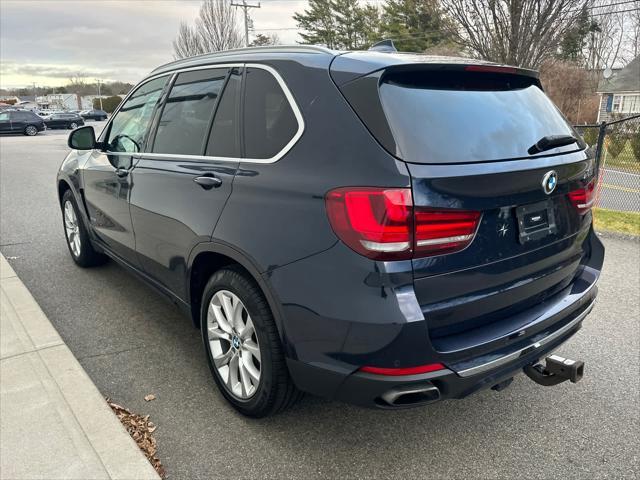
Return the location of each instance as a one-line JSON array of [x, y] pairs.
[[615, 143], [591, 136], [109, 104], [635, 146]]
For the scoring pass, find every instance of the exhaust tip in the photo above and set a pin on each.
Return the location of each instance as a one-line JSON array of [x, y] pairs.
[[410, 396]]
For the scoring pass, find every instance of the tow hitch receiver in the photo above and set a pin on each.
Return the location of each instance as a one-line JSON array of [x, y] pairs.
[[556, 371]]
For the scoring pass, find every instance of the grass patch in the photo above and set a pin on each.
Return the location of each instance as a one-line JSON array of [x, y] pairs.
[[622, 222], [625, 160]]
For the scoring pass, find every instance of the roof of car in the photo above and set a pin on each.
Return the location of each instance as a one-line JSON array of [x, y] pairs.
[[365, 59]]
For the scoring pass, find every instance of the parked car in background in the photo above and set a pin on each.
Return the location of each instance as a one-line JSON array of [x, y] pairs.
[[94, 115], [422, 233], [64, 120], [21, 121]]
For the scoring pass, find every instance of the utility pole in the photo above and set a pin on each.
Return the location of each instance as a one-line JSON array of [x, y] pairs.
[[245, 6], [99, 95]]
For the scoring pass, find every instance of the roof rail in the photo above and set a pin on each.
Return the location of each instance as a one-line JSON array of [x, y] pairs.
[[235, 51], [385, 46]]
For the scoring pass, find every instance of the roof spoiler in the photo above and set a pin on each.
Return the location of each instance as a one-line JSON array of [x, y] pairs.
[[385, 46]]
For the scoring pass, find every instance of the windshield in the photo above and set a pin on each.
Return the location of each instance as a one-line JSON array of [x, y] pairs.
[[463, 125]]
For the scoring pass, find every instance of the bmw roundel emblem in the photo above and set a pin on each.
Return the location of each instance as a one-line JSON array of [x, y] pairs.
[[549, 181]]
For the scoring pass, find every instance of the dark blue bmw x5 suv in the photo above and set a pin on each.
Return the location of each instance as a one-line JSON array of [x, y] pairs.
[[379, 228]]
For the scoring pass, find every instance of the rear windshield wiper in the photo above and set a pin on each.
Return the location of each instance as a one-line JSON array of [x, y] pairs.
[[551, 141]]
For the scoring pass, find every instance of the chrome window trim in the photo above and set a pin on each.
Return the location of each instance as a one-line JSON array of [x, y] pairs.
[[206, 158]]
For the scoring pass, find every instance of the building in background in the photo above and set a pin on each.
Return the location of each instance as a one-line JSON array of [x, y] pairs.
[[59, 101], [620, 94]]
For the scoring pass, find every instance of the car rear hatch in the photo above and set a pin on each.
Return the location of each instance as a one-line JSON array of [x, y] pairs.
[[506, 226]]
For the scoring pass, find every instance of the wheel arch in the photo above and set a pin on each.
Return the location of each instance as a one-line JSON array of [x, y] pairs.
[[209, 257]]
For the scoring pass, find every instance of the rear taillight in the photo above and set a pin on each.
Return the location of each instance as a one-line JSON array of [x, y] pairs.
[[584, 198], [444, 231], [383, 224]]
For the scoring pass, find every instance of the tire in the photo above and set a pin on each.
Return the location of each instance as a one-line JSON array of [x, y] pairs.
[[73, 125], [274, 391], [31, 130], [77, 236]]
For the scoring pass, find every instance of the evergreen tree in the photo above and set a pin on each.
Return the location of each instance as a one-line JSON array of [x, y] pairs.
[[573, 42], [318, 23], [414, 25]]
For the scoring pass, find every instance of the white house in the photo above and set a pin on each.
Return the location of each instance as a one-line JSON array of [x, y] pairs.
[[620, 94]]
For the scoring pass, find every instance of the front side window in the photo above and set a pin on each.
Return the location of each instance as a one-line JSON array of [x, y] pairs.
[[4, 117], [269, 121], [187, 113], [129, 126]]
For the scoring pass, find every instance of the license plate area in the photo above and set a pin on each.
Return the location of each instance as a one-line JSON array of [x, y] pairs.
[[536, 221]]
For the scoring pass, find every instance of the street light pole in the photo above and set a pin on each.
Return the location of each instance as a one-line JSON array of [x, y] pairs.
[[245, 6]]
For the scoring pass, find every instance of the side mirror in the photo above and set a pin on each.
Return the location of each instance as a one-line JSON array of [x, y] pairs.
[[83, 138]]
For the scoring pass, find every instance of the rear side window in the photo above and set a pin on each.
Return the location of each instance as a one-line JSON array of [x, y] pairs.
[[129, 126], [436, 117], [269, 121], [224, 140], [187, 113]]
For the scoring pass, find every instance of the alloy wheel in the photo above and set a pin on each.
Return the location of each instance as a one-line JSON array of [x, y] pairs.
[[234, 346], [72, 228], [73, 125], [31, 130]]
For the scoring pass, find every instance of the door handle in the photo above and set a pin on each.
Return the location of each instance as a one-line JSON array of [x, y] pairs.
[[122, 172], [208, 181]]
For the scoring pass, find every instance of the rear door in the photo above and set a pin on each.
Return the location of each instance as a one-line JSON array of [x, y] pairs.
[[108, 182], [497, 232], [18, 121], [183, 182]]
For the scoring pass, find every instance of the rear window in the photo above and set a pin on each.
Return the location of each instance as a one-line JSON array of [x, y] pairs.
[[464, 117]]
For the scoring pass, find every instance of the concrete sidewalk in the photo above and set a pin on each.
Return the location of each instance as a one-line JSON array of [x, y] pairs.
[[54, 423]]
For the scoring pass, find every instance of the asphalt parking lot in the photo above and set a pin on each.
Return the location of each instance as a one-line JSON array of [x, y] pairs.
[[132, 342]]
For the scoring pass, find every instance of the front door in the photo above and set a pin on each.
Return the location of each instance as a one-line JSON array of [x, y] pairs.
[[107, 174], [5, 122], [183, 183]]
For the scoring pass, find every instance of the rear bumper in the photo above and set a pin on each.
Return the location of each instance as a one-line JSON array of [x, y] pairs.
[[370, 390], [348, 324]]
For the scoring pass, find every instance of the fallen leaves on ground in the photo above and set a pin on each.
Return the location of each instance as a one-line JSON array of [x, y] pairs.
[[140, 429]]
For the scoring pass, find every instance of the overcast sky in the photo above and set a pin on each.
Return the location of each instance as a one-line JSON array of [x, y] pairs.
[[48, 41]]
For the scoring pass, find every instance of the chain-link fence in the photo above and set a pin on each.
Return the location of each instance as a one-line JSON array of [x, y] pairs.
[[617, 145]]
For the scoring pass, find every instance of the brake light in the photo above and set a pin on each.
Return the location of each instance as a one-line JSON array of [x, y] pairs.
[[383, 224], [375, 222], [584, 198], [394, 372], [490, 68]]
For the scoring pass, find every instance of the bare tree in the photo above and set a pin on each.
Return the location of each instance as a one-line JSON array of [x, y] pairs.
[[634, 34], [517, 32], [187, 43], [216, 29], [605, 42]]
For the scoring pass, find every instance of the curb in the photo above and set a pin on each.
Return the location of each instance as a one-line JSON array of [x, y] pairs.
[[54, 423]]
